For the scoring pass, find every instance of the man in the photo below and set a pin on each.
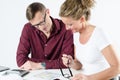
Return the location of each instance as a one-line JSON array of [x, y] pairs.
[[43, 40]]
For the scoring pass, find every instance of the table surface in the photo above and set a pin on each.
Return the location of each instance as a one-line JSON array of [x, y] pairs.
[[45, 74], [48, 74]]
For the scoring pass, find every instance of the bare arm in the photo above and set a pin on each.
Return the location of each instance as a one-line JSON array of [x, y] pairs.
[[76, 65], [114, 63]]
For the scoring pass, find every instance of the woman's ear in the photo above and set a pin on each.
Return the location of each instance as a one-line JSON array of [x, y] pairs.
[[82, 19]]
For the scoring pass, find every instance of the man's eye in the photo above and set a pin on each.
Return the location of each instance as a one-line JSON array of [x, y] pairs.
[[69, 24]]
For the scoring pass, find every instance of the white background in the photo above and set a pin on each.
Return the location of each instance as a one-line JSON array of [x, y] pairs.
[[105, 14]]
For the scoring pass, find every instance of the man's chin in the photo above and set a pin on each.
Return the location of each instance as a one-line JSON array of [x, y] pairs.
[[74, 31]]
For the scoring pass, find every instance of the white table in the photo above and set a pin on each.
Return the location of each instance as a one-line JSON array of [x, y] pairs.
[[34, 74], [48, 74]]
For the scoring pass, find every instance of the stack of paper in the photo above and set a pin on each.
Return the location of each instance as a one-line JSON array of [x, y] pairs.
[[46, 75]]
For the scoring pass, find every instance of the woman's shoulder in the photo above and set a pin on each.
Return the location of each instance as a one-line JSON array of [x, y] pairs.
[[100, 32]]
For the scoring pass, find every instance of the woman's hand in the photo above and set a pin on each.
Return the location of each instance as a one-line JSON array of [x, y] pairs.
[[80, 77], [67, 60]]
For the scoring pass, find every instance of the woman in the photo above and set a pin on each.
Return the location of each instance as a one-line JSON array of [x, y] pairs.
[[94, 54]]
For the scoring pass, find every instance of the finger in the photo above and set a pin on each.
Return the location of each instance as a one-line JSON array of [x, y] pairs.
[[64, 61], [70, 57], [28, 68], [71, 78], [74, 78], [64, 55], [22, 67]]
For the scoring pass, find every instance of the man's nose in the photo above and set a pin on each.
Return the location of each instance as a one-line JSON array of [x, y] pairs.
[[68, 27]]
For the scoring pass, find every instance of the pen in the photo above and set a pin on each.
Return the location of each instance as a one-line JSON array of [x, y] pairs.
[[69, 68]]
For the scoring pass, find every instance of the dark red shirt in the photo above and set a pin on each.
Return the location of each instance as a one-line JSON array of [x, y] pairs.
[[35, 44]]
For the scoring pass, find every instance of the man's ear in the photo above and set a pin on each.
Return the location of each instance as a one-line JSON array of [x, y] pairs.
[[48, 12]]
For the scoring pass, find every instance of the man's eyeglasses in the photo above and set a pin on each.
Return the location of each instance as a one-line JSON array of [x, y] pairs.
[[66, 75], [41, 23]]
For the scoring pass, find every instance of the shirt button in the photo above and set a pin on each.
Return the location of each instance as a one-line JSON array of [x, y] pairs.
[[45, 55], [45, 44], [41, 33]]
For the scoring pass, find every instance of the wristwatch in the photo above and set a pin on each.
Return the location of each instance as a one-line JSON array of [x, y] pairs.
[[43, 64]]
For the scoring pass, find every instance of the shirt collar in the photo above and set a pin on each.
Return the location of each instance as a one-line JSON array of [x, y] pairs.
[[56, 26]]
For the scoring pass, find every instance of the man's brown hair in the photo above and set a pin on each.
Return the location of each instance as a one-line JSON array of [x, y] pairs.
[[33, 8]]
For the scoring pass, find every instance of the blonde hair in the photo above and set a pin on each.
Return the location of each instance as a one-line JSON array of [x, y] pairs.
[[76, 8]]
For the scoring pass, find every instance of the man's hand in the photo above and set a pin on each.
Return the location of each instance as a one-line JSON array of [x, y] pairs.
[[29, 65]]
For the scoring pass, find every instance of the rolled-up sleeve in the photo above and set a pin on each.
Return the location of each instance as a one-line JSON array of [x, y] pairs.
[[23, 48]]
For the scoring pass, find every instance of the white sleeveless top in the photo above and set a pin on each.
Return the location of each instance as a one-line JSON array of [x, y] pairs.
[[89, 54]]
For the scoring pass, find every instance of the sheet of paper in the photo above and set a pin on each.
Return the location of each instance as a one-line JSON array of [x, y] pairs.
[[46, 75]]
